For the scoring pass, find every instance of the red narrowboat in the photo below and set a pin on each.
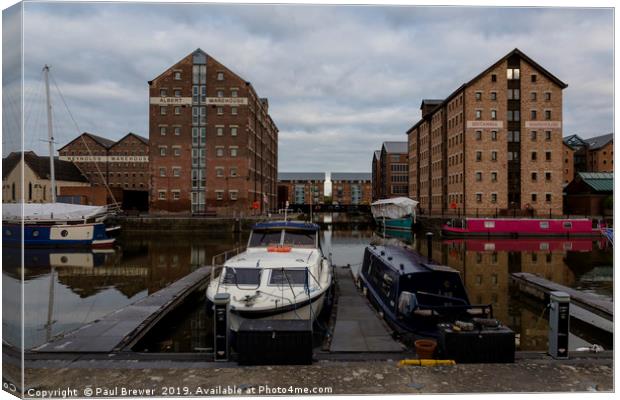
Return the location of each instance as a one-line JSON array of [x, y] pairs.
[[516, 227]]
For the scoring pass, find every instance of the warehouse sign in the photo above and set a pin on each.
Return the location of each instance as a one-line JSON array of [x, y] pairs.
[[543, 124], [171, 101], [227, 101], [485, 124], [104, 159]]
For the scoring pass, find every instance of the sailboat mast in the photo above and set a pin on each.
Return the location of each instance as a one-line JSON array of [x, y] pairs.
[[50, 133]]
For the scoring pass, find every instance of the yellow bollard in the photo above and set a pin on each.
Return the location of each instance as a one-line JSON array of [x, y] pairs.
[[425, 362]]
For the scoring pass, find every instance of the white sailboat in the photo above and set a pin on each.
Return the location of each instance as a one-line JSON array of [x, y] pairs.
[[54, 224]]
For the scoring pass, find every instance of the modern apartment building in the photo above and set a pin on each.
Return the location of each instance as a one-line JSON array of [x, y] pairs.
[[494, 144], [214, 147], [301, 188], [351, 188]]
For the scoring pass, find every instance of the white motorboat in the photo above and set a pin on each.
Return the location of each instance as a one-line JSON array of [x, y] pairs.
[[282, 274]]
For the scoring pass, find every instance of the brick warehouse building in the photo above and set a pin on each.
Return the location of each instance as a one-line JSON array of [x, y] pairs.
[[301, 188], [376, 175], [392, 176], [214, 146], [122, 165], [351, 188], [494, 144]]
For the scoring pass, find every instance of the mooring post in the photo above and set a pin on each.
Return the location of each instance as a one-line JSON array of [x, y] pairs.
[[221, 305], [559, 318], [429, 246]]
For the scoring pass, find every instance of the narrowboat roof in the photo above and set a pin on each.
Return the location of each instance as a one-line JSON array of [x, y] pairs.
[[395, 256], [278, 225]]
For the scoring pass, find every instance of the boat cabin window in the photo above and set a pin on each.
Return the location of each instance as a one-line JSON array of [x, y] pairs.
[[489, 224], [568, 225], [300, 238], [242, 276], [285, 277], [265, 238], [544, 224]]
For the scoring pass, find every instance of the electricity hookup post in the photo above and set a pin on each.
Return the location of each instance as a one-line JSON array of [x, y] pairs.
[[429, 246], [559, 319], [221, 304]]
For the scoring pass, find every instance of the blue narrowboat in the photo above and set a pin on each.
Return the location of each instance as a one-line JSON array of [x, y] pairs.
[[413, 294], [55, 225]]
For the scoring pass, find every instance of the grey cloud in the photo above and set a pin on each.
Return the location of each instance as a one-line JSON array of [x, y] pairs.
[[340, 79]]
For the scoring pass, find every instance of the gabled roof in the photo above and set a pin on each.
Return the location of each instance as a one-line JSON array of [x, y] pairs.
[[107, 143], [301, 176], [596, 182], [575, 141], [516, 51], [40, 165], [377, 154], [395, 147], [599, 141], [351, 176], [140, 138]]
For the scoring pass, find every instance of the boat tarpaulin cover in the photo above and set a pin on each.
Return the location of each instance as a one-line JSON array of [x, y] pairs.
[[396, 207], [49, 211]]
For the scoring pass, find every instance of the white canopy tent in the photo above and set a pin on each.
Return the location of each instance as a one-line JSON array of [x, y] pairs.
[[397, 207]]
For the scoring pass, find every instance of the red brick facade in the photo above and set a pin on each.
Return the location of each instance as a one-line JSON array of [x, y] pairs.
[[350, 188], [494, 144], [122, 165], [213, 144]]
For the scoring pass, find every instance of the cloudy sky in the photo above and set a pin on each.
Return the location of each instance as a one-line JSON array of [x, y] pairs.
[[340, 79]]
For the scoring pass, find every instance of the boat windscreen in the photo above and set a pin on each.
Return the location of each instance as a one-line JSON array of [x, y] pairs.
[[241, 276], [300, 238], [265, 238], [288, 277]]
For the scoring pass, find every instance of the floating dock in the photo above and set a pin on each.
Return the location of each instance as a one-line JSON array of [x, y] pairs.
[[358, 327], [587, 307], [121, 329]]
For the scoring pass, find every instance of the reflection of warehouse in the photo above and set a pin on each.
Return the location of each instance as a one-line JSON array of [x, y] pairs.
[[123, 166]]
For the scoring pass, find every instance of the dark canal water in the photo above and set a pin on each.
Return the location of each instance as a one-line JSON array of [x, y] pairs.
[[65, 289]]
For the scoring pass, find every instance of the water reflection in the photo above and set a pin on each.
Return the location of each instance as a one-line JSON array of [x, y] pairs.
[[65, 289]]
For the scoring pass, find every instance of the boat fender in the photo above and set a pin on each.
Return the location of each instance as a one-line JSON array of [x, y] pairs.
[[425, 362]]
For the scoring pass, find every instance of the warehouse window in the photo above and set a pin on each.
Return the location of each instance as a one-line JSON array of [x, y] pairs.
[[163, 110], [177, 93], [233, 131], [162, 195], [533, 114], [478, 114], [163, 92], [233, 110], [547, 96], [533, 96], [177, 75], [220, 76], [478, 96], [547, 114], [162, 130], [493, 114], [162, 171]]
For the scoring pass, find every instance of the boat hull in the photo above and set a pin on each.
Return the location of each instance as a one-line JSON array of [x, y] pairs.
[[307, 311], [506, 227], [78, 235], [396, 224]]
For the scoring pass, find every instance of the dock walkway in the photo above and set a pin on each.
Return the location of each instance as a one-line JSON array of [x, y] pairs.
[[540, 287], [123, 328], [358, 327]]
